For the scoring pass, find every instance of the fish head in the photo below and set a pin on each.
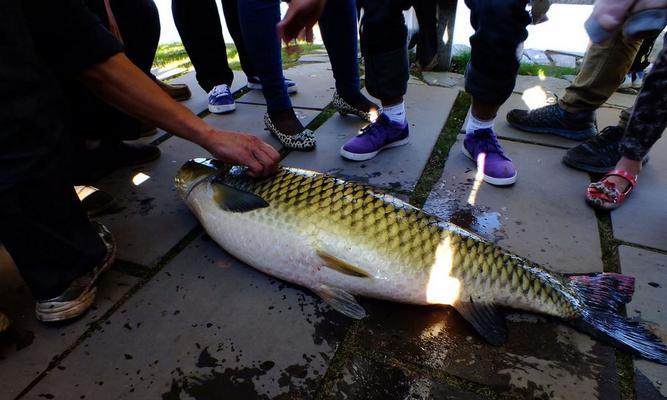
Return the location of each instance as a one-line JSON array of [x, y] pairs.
[[198, 170]]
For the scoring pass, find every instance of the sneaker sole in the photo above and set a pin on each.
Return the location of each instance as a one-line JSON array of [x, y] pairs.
[[367, 156], [572, 135], [222, 109], [53, 312], [258, 86], [490, 179]]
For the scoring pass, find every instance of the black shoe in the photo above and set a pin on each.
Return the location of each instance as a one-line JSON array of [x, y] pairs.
[[554, 120], [97, 163], [80, 294], [95, 201], [598, 155]]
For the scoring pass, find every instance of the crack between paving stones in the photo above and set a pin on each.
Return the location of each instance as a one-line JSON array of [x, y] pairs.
[[97, 324], [640, 246], [611, 262]]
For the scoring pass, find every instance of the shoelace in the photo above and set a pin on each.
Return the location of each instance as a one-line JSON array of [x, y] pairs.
[[221, 90], [488, 143]]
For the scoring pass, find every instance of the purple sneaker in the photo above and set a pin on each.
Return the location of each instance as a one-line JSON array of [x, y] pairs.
[[220, 100], [482, 147], [375, 137]]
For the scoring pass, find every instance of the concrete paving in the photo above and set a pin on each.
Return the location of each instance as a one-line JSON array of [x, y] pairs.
[[204, 327], [650, 305], [315, 82], [542, 217], [398, 169], [208, 326], [643, 219], [28, 348]]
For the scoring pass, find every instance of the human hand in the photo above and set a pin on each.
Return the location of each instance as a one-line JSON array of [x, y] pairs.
[[243, 149], [300, 14]]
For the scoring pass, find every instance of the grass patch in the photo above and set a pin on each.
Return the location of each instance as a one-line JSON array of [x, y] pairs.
[[460, 61], [174, 54], [436, 162]]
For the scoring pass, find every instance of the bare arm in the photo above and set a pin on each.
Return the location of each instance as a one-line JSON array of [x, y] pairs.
[[124, 86]]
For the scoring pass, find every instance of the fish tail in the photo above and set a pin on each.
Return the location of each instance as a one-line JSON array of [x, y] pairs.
[[604, 291], [603, 294]]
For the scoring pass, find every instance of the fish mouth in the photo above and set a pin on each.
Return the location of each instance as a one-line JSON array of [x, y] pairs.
[[195, 171]]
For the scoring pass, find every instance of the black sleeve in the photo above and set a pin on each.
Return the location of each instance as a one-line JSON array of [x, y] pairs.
[[69, 36]]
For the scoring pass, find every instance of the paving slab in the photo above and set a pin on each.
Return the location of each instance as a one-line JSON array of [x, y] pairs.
[[315, 82], [444, 79], [152, 218], [250, 118], [642, 219], [542, 217], [650, 305], [546, 83], [622, 100], [543, 359], [205, 327], [314, 58], [29, 346], [536, 98], [397, 169], [363, 378], [199, 100]]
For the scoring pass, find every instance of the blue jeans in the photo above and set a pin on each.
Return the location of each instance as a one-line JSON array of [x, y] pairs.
[[338, 25], [500, 28]]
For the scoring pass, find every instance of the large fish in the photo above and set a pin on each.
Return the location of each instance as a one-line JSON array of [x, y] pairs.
[[342, 239]]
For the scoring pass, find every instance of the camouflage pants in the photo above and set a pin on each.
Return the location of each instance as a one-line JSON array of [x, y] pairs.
[[649, 116]]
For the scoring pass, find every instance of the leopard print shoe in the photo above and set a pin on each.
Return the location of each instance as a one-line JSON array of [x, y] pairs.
[[303, 141], [344, 108]]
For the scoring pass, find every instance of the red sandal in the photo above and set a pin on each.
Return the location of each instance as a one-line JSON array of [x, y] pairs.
[[603, 195]]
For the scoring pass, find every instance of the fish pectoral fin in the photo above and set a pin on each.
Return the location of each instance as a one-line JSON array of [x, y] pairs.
[[341, 266], [487, 319], [341, 301], [235, 200]]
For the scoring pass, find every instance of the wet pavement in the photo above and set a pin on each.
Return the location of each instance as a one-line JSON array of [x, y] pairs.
[[179, 318]]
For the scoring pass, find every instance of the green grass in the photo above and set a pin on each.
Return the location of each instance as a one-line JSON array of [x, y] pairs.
[[174, 54], [460, 61]]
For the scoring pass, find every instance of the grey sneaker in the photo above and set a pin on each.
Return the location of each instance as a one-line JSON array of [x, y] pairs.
[[80, 294]]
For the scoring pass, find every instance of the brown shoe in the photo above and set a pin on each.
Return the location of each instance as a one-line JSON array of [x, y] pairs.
[[80, 294], [4, 322], [177, 91]]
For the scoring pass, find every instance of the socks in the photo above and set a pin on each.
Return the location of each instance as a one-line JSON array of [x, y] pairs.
[[476, 124], [396, 113]]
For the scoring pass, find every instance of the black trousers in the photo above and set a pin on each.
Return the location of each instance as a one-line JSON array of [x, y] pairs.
[[198, 23], [42, 224], [383, 38], [139, 24]]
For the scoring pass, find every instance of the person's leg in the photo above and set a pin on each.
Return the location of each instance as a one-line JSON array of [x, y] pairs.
[[338, 25], [43, 226], [384, 48], [500, 29], [258, 24], [198, 24], [427, 46], [603, 70], [231, 10], [645, 126]]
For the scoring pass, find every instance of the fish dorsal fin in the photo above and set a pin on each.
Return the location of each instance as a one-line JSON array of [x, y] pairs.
[[487, 319], [341, 301], [342, 266], [236, 200]]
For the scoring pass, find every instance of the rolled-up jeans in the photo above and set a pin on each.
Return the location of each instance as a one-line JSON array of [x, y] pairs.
[[500, 30]]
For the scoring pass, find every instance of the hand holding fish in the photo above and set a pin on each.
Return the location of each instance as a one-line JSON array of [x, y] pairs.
[[243, 149]]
